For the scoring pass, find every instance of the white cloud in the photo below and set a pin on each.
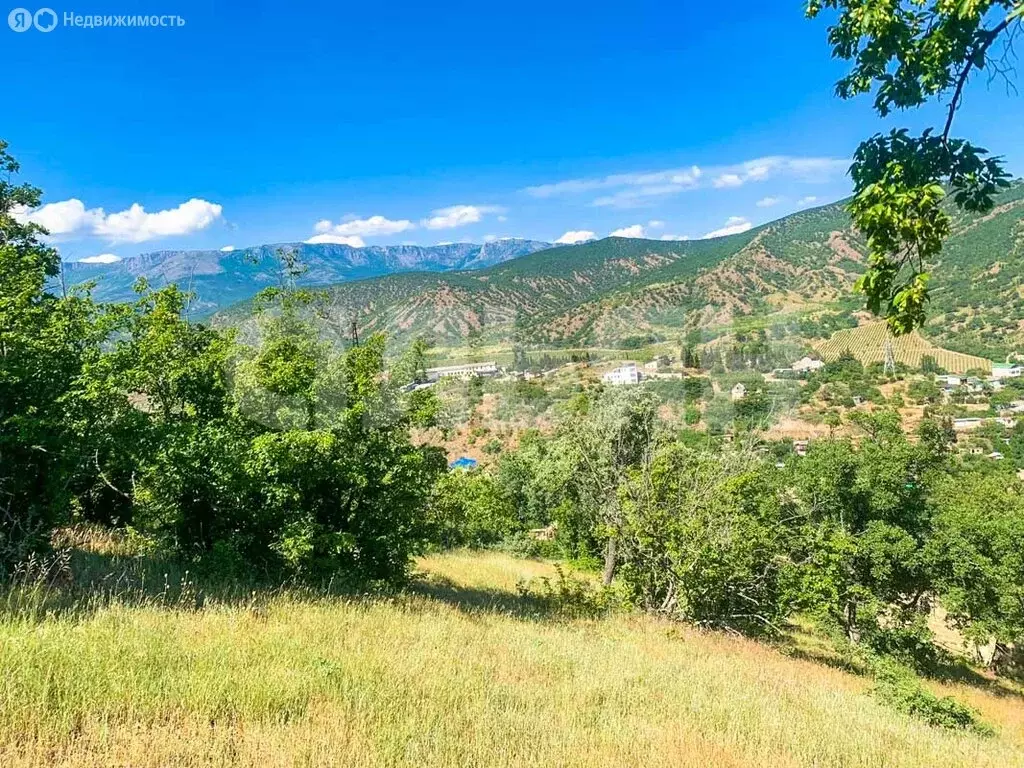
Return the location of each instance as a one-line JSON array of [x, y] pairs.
[[371, 227], [727, 180], [327, 237], [227, 249], [632, 190], [768, 202], [674, 237], [67, 217], [458, 216], [655, 224], [490, 238], [576, 236], [673, 177], [734, 225], [70, 218], [103, 258], [809, 200], [635, 230], [136, 226]]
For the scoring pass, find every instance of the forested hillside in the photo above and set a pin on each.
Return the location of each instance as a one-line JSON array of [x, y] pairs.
[[625, 292]]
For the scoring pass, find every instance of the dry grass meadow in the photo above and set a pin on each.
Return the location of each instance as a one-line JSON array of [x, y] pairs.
[[458, 673]]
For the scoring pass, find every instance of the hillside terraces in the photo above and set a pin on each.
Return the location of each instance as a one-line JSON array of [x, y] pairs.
[[867, 344]]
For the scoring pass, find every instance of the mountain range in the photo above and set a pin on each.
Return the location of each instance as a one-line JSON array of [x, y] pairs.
[[783, 277], [221, 278], [624, 293]]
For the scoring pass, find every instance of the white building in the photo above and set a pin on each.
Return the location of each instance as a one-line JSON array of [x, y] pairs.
[[625, 374], [739, 392], [1007, 370], [467, 371], [807, 365], [963, 425]]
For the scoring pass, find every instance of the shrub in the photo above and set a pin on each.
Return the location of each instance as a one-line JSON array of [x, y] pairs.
[[901, 689], [469, 509], [572, 597]]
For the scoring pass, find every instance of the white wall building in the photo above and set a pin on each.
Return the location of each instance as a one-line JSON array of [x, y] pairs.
[[1007, 370], [462, 371], [625, 374], [807, 365]]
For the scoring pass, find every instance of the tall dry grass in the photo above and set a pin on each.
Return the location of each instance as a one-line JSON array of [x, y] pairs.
[[462, 673]]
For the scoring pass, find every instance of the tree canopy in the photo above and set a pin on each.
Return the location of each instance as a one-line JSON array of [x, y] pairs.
[[908, 53]]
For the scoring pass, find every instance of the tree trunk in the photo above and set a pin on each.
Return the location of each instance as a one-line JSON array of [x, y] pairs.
[[850, 620], [611, 554]]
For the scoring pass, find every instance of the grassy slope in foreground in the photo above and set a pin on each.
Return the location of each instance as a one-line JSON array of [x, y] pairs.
[[447, 680]]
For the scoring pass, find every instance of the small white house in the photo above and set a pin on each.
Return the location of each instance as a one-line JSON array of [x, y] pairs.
[[1007, 370], [738, 392], [964, 425], [807, 365], [624, 374]]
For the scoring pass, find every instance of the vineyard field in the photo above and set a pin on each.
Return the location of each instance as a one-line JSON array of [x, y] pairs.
[[867, 344]]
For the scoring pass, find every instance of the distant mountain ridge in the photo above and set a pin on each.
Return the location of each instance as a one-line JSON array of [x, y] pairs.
[[620, 292], [221, 278]]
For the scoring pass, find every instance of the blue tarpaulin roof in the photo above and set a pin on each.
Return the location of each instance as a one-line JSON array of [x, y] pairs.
[[463, 462]]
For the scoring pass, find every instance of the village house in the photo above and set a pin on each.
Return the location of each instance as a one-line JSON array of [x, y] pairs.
[[1007, 370], [807, 365], [623, 375], [738, 392], [964, 425]]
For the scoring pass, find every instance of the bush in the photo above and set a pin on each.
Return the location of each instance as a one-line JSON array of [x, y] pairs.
[[901, 689], [571, 597], [469, 509], [349, 503]]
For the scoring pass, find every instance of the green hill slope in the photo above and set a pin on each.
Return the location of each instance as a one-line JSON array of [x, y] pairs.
[[620, 292]]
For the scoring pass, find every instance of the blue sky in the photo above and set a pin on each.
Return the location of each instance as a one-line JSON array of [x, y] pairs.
[[423, 122]]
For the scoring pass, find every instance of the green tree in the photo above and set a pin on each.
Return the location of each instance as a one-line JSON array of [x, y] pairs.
[[705, 538], [45, 340], [470, 509], [977, 557], [614, 438], [865, 522], [911, 52]]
